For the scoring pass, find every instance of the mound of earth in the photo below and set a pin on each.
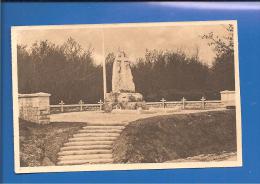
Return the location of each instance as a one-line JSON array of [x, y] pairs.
[[39, 144], [170, 137]]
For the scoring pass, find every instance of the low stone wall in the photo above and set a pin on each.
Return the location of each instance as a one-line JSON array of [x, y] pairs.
[[34, 107], [228, 98]]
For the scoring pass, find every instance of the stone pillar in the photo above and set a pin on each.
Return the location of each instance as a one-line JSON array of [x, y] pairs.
[[35, 107], [183, 103], [203, 103], [228, 98]]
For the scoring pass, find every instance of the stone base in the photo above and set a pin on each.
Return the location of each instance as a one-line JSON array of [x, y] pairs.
[[35, 107], [130, 101]]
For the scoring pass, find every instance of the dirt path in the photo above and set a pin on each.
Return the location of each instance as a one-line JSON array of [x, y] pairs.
[[121, 117]]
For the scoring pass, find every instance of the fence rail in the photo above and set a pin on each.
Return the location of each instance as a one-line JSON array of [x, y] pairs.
[[185, 104], [62, 107], [75, 105], [182, 104]]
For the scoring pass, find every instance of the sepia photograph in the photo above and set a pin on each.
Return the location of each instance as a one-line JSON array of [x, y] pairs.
[[126, 96]]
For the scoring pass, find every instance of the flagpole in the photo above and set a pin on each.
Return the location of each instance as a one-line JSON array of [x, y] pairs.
[[104, 66]]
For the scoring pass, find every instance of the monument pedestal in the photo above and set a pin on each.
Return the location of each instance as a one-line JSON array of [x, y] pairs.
[[124, 100]]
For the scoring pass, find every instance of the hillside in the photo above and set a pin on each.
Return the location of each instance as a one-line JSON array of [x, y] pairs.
[[170, 137]]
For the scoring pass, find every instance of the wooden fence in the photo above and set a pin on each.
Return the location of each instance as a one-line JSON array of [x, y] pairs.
[[182, 104]]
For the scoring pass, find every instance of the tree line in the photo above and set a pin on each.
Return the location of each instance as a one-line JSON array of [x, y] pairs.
[[68, 72]]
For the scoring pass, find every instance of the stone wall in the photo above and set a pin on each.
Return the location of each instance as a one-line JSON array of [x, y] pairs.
[[35, 107], [228, 98]]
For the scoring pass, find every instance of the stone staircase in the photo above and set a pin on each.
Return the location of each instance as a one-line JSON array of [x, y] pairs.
[[90, 145]]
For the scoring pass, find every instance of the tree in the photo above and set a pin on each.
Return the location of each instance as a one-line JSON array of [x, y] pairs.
[[71, 49], [221, 45], [222, 71], [69, 73], [171, 75], [66, 71]]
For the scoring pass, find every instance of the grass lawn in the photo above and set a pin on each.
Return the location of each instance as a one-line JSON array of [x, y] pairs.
[[179, 136], [39, 144]]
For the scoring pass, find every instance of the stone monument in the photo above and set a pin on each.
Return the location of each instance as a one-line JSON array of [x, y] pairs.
[[123, 95], [122, 78]]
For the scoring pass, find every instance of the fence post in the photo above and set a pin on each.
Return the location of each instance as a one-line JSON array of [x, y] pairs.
[[163, 102], [100, 104], [61, 105], [183, 103], [81, 103], [203, 99]]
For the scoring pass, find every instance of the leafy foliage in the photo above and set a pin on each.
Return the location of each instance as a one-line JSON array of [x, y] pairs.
[[69, 73], [170, 75], [223, 72]]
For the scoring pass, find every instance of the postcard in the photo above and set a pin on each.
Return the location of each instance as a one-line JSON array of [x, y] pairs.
[[126, 96]]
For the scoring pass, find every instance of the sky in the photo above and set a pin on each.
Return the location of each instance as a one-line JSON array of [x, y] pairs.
[[134, 40]]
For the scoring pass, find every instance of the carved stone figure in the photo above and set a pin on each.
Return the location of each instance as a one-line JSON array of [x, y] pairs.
[[122, 78], [123, 95]]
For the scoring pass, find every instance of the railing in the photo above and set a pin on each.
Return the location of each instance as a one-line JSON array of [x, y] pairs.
[[62, 107], [185, 104], [182, 104]]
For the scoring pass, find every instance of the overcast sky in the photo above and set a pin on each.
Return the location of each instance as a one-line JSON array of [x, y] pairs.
[[134, 40]]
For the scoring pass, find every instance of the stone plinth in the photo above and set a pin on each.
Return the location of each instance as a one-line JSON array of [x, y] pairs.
[[128, 101], [35, 107], [228, 98]]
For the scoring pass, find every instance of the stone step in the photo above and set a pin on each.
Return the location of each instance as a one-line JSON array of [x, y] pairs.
[[84, 152], [104, 127], [86, 147], [92, 144], [85, 162], [85, 157], [100, 131], [97, 134], [76, 139], [84, 143]]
